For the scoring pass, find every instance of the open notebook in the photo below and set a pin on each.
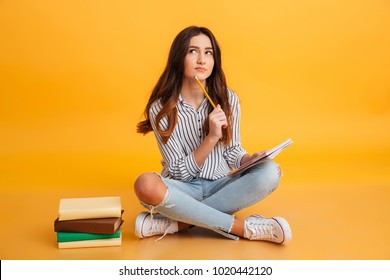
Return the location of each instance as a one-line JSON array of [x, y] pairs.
[[267, 154]]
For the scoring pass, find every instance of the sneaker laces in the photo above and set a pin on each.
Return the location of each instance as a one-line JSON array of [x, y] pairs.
[[261, 231], [158, 225]]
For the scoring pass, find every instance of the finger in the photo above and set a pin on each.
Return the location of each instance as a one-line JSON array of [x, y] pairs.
[[218, 108], [220, 114], [217, 117], [223, 123]]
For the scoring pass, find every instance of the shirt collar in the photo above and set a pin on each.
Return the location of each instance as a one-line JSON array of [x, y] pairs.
[[184, 103]]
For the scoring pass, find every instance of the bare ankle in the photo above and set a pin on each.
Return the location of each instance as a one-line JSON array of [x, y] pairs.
[[238, 227], [182, 226]]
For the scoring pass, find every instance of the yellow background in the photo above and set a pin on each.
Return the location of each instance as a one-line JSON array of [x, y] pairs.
[[75, 77]]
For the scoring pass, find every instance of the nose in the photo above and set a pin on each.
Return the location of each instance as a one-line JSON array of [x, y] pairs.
[[201, 59]]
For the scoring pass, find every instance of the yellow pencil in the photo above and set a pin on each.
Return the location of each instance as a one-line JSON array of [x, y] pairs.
[[205, 92]]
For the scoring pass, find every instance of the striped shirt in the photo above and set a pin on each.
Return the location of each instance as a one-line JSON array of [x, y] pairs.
[[178, 160]]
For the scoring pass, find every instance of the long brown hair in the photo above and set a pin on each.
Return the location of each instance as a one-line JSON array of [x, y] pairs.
[[170, 82]]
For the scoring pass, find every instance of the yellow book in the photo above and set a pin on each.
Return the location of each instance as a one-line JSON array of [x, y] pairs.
[[89, 208], [91, 243]]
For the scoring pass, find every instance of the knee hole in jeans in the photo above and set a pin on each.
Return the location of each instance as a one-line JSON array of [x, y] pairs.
[[149, 188]]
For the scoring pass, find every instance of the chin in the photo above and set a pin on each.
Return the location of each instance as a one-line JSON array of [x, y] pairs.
[[202, 76]]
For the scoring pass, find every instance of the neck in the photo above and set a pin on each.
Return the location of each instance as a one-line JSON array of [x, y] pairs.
[[192, 93]]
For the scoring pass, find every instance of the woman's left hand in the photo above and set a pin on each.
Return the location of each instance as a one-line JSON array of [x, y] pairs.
[[249, 157]]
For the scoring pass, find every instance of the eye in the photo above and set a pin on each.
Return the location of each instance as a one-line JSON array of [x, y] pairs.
[[209, 52], [192, 51]]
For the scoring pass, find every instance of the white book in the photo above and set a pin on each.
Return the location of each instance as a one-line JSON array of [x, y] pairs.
[[89, 208], [267, 154]]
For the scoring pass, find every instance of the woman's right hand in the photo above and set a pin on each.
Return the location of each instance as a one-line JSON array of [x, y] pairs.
[[217, 121]]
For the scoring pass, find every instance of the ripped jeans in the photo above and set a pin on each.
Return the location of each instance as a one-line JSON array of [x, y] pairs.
[[211, 203]]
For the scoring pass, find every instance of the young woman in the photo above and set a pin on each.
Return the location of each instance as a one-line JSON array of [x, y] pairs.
[[200, 145]]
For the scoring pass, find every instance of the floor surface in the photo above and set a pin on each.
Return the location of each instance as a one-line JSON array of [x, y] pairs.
[[339, 220]]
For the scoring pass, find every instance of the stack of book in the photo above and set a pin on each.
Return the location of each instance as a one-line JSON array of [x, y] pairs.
[[89, 222]]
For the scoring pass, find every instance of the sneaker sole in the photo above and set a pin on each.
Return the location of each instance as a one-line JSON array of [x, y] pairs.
[[286, 229], [139, 223]]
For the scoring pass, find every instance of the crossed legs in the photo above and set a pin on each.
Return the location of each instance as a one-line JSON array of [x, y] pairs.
[[152, 191]]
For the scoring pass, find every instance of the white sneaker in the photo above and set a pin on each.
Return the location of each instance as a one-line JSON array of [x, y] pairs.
[[267, 229], [147, 225]]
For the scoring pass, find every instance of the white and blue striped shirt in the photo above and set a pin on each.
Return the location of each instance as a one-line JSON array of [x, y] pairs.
[[178, 153]]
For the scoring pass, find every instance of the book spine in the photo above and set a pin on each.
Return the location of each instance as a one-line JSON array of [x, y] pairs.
[[79, 236], [76, 214], [79, 226], [91, 243], [88, 228]]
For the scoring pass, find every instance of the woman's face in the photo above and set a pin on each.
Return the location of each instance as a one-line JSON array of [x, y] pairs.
[[199, 60]]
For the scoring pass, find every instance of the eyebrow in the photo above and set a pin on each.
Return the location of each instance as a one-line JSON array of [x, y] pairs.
[[196, 47]]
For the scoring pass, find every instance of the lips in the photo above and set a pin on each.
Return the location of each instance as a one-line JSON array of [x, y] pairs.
[[200, 69]]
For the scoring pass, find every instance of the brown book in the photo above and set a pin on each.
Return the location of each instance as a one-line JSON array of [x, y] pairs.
[[98, 225]]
